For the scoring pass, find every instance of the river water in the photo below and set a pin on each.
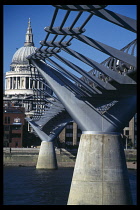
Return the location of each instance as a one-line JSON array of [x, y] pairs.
[[28, 186]]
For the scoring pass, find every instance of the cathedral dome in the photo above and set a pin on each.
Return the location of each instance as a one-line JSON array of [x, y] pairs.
[[22, 53]]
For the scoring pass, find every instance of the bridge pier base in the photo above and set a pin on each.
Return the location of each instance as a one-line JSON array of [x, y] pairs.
[[100, 175], [47, 156]]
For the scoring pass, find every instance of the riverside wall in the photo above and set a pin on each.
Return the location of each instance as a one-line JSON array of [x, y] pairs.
[[29, 156], [65, 158]]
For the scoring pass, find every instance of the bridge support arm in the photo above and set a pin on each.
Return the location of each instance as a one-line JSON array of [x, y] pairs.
[[43, 136], [87, 117]]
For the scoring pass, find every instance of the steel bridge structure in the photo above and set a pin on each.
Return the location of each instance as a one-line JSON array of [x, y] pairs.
[[101, 101]]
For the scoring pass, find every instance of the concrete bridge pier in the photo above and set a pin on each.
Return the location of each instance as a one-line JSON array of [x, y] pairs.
[[47, 156], [100, 175]]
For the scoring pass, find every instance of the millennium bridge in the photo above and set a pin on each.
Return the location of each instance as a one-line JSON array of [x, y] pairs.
[[101, 101]]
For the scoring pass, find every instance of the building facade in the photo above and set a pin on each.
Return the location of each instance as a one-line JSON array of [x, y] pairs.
[[130, 133], [19, 81], [13, 122], [70, 135], [21, 92]]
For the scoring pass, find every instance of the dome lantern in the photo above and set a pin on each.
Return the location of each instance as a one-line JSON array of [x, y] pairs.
[[29, 36]]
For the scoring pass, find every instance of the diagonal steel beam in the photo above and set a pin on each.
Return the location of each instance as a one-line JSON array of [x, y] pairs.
[[120, 20], [114, 75], [85, 115], [55, 132], [73, 77], [80, 7], [64, 31], [43, 136], [96, 80], [107, 49]]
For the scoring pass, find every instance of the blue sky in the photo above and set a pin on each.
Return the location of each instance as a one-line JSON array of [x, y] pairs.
[[16, 21]]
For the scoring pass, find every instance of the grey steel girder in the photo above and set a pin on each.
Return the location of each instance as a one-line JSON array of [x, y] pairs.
[[42, 135], [85, 115], [74, 78], [54, 44], [100, 83], [125, 79], [52, 121], [73, 87], [80, 7], [120, 20], [49, 51], [64, 31], [45, 99], [90, 112], [114, 75], [52, 110], [47, 117], [107, 49], [53, 134], [98, 45], [97, 81]]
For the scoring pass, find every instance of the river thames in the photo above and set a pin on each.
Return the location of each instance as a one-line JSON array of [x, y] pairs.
[[28, 186]]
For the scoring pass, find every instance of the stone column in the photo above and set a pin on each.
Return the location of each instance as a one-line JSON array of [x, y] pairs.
[[47, 156], [25, 82], [74, 133], [30, 106], [16, 84], [12, 82], [9, 83], [100, 175], [20, 83], [6, 83], [29, 83], [33, 84]]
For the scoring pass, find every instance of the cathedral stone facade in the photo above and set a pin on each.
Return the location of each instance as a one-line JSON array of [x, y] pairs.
[[18, 81]]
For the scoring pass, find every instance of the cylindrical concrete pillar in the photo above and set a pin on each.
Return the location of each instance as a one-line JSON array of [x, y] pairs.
[[47, 156], [100, 175]]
